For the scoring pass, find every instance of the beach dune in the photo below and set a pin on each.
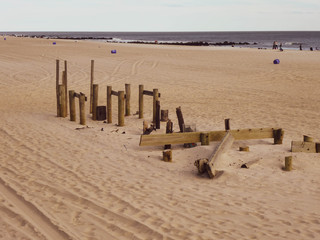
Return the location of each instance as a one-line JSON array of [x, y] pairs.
[[60, 182]]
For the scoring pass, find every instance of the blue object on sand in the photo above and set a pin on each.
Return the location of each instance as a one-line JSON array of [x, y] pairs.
[[113, 51], [276, 61], [54, 43], [5, 39]]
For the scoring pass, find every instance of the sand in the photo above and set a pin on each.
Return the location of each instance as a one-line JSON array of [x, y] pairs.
[[57, 182]]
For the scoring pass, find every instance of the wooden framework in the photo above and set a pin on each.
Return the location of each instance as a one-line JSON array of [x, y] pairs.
[[155, 94], [123, 103], [82, 99]]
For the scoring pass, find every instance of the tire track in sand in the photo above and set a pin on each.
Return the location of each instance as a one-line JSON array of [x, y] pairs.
[[32, 213]]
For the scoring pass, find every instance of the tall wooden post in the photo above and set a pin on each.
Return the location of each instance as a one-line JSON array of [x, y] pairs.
[[109, 104], [121, 108], [62, 100], [227, 124], [128, 95], [72, 107], [82, 100], [95, 101], [180, 119], [141, 88], [157, 122], [65, 83], [91, 85], [155, 99], [278, 136], [57, 87]]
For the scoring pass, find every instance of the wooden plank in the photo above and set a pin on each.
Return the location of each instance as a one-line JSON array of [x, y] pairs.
[[224, 145], [194, 137], [149, 93], [306, 147], [114, 93]]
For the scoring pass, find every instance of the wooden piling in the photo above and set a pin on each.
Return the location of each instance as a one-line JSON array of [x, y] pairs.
[[169, 129], [121, 108], [155, 99], [244, 149], [141, 87], [288, 163], [278, 136], [128, 96], [91, 85], [62, 100], [57, 87], [180, 118], [82, 100], [65, 83], [227, 124], [95, 101], [204, 138], [157, 115], [72, 106], [109, 104], [167, 155]]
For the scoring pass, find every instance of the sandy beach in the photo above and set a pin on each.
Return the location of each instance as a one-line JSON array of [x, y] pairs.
[[57, 182]]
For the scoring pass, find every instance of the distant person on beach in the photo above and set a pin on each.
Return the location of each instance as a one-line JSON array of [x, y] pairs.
[[300, 47], [311, 48], [281, 47]]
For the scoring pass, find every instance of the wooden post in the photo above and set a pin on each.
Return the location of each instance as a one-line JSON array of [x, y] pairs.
[[244, 149], [201, 165], [169, 129], [62, 100], [155, 99], [167, 155], [204, 138], [227, 124], [109, 104], [65, 83], [91, 85], [288, 163], [95, 101], [121, 108], [164, 115], [317, 147], [278, 136], [128, 96], [157, 115], [141, 101], [82, 100], [145, 126], [180, 118], [57, 88], [72, 107], [307, 138]]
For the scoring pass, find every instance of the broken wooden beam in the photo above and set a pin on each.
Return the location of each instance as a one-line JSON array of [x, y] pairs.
[[224, 145], [194, 137]]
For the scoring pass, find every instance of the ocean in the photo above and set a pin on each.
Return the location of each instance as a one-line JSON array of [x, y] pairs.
[[289, 39]]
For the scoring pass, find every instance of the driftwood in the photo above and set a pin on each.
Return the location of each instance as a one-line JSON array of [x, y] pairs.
[[249, 164]]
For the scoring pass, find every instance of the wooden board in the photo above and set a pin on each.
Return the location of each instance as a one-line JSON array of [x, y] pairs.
[[306, 147], [194, 137], [224, 145]]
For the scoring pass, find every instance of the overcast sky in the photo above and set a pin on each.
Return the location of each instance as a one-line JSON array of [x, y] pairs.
[[159, 15]]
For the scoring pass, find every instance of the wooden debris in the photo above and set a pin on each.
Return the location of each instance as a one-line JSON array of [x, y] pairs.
[[249, 164], [306, 147], [201, 165], [164, 115]]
